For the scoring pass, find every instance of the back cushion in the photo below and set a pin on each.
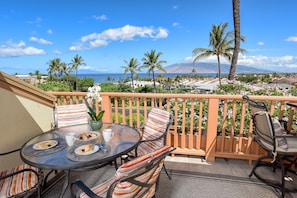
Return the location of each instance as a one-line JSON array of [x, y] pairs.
[[279, 131], [68, 115], [156, 124]]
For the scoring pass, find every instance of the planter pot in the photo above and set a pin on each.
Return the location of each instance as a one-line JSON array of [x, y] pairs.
[[96, 125]]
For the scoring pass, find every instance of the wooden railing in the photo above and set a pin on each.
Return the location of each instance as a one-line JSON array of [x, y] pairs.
[[204, 124]]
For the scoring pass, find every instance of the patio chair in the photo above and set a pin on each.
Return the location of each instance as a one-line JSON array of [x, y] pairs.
[[136, 178], [154, 132], [69, 115], [281, 148], [20, 181]]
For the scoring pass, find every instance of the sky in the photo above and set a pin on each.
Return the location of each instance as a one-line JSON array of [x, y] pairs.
[[105, 33]]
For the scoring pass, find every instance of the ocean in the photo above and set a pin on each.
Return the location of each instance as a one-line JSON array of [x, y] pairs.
[[113, 77]]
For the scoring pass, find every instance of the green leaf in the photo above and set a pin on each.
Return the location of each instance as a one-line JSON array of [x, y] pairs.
[[100, 115], [93, 116]]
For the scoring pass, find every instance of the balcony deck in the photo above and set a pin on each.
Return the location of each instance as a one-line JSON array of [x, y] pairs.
[[194, 177], [227, 147]]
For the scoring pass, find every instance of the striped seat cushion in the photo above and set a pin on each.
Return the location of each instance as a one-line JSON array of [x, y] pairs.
[[156, 125], [68, 115], [127, 189], [18, 183], [146, 147]]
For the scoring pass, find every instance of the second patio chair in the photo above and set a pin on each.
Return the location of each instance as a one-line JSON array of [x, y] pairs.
[[136, 178], [272, 137], [20, 181], [154, 133]]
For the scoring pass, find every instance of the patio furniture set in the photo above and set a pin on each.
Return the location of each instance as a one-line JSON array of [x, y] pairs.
[[142, 153], [49, 152]]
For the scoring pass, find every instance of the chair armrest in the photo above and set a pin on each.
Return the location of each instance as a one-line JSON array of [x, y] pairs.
[[84, 188], [9, 152], [148, 140], [284, 122], [286, 136]]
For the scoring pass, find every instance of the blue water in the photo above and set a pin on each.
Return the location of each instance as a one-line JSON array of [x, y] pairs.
[[100, 78]]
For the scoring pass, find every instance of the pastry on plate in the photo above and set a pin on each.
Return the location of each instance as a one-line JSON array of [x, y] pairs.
[[87, 148], [45, 144], [86, 136]]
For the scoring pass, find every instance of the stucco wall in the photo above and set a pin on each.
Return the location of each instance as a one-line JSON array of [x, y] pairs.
[[20, 120]]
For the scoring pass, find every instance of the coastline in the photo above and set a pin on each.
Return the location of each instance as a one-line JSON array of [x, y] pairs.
[[115, 77]]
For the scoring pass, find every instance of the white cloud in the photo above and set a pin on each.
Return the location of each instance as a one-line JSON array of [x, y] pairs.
[[175, 7], [262, 62], [260, 43], [175, 24], [162, 33], [268, 62], [37, 21], [49, 31], [11, 49], [291, 39], [98, 43], [40, 41], [101, 18], [125, 33], [57, 52]]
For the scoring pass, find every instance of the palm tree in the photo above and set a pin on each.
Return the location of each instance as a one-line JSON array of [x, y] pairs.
[[236, 22], [222, 45], [64, 69], [38, 75], [150, 61], [132, 66], [75, 63], [54, 66]]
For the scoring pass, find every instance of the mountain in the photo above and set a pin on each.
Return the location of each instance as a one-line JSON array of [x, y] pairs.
[[211, 68]]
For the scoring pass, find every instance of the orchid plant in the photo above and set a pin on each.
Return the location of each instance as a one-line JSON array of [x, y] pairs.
[[92, 96]]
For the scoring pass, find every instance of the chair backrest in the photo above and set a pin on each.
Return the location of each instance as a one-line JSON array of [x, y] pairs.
[[68, 115], [138, 177], [156, 126], [262, 123]]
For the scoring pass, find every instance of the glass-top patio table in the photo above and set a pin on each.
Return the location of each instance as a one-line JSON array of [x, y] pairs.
[[57, 155]]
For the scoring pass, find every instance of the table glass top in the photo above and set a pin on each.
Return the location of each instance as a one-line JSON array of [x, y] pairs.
[[50, 151]]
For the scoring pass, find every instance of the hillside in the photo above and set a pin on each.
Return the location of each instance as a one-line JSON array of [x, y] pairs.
[[211, 68]]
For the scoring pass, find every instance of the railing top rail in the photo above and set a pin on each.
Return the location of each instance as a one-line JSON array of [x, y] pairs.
[[162, 95]]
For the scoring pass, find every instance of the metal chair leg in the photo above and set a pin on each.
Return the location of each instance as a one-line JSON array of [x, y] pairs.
[[166, 172], [257, 163]]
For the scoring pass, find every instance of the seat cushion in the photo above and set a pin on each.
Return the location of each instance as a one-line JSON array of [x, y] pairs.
[[145, 147], [279, 131], [68, 115], [18, 183]]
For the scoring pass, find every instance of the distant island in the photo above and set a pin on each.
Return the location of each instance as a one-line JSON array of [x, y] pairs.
[[211, 68], [200, 68]]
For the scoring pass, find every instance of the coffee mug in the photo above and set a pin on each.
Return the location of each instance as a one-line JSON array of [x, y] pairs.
[[70, 138], [107, 134]]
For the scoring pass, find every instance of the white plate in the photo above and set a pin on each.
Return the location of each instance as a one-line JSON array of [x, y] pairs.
[[79, 150], [93, 135], [46, 144]]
